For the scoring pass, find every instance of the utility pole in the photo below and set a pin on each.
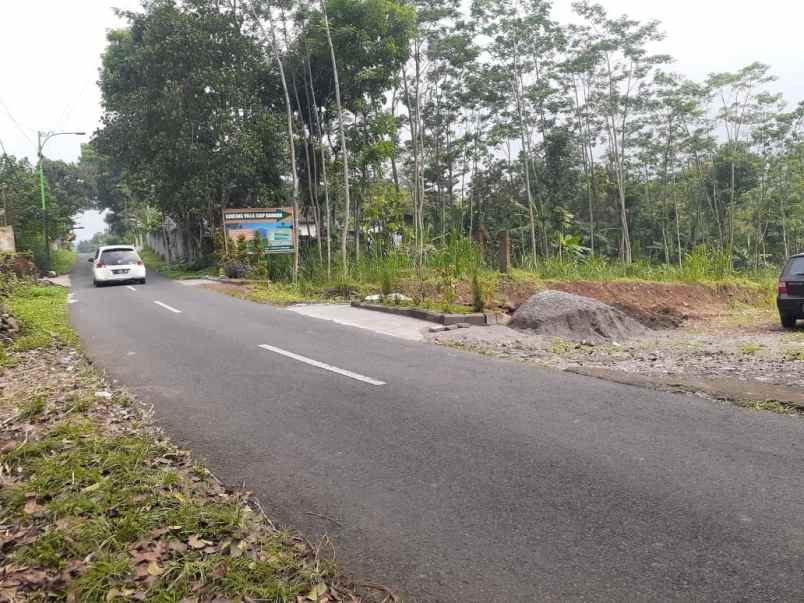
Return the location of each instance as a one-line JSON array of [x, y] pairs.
[[42, 138]]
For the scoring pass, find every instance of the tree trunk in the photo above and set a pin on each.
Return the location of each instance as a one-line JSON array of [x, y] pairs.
[[344, 150], [320, 132], [394, 172], [291, 144], [526, 160]]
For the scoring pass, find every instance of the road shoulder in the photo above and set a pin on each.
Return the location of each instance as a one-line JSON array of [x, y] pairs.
[[98, 503]]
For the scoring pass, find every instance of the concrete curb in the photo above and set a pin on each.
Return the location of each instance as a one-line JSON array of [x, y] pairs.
[[475, 319], [231, 281], [736, 391]]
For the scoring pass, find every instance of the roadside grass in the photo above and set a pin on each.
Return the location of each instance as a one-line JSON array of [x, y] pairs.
[[334, 290], [281, 294], [126, 524], [176, 271], [96, 505], [793, 354], [780, 408], [43, 314], [456, 276], [62, 260], [702, 265], [750, 349], [427, 304]]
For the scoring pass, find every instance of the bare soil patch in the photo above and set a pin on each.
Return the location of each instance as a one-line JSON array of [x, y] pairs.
[[655, 305], [228, 288], [736, 345]]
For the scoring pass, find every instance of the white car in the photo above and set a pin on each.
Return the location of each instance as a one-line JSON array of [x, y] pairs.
[[117, 263]]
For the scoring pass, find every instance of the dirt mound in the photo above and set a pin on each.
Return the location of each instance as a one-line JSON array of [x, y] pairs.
[[574, 317], [655, 305]]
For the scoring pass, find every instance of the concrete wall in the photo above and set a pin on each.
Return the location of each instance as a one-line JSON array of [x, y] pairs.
[[7, 243], [171, 245]]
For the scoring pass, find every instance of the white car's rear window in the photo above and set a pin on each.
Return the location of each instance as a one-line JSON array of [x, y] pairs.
[[119, 257]]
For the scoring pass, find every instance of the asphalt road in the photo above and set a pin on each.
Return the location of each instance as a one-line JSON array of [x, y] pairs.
[[462, 478]]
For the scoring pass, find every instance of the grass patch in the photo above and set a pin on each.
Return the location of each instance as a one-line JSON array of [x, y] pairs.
[[427, 304], [125, 521], [29, 410], [749, 349], [560, 346], [6, 360], [702, 265], [179, 270], [281, 294], [780, 408], [43, 314], [62, 260], [285, 294], [793, 354]]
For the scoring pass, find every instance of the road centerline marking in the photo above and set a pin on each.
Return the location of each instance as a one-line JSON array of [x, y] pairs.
[[322, 365], [130, 287], [166, 307]]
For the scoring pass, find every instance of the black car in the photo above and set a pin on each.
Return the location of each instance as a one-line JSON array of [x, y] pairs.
[[790, 296]]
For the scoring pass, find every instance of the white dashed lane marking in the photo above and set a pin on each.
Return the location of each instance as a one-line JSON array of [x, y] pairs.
[[130, 287], [322, 365], [166, 307]]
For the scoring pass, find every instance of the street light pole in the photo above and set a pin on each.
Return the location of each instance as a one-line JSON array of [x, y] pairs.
[[41, 139]]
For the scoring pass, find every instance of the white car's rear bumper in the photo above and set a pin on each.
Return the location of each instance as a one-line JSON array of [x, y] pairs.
[[107, 275]]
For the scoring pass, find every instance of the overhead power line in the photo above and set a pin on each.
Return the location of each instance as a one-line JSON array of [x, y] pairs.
[[16, 123]]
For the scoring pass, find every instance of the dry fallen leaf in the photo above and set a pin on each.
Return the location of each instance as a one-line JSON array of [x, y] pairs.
[[317, 591], [141, 570], [31, 507], [146, 556], [7, 446], [197, 542], [237, 550], [154, 569], [177, 547]]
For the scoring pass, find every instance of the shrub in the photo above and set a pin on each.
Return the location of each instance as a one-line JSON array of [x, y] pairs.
[[460, 257], [386, 282], [234, 269], [258, 271], [279, 267]]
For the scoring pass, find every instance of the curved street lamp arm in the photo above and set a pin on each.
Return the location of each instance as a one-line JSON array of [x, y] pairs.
[[45, 136]]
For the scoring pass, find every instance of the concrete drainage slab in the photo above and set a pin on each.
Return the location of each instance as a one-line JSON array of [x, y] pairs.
[[403, 327]]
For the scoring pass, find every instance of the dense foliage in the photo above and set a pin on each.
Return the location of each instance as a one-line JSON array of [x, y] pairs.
[[67, 190], [411, 121]]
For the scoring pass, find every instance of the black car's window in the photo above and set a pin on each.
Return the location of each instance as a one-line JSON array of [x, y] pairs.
[[795, 267], [119, 257]]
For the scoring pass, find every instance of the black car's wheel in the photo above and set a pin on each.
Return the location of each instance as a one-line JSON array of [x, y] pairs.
[[788, 322]]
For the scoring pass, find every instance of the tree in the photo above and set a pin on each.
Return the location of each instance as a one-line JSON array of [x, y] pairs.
[[191, 113], [618, 49], [740, 98], [291, 145]]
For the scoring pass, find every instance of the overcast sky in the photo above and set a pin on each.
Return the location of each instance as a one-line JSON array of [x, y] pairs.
[[51, 51]]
